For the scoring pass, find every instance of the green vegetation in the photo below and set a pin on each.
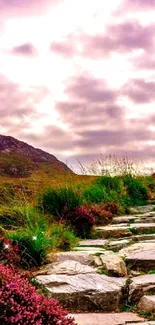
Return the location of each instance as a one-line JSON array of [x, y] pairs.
[[54, 201], [37, 237], [152, 272], [47, 211]]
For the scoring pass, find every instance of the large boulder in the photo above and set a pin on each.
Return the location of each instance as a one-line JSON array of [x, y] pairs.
[[84, 292]]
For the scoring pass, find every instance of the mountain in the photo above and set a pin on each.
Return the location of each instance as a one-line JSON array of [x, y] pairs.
[[18, 159]]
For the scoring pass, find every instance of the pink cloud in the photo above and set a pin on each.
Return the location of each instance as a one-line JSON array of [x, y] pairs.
[[139, 91], [140, 4], [122, 37], [26, 7], [26, 49], [91, 89], [65, 49]]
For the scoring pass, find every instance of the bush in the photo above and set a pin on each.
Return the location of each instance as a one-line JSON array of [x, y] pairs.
[[110, 183], [9, 252], [111, 207], [37, 237], [54, 200], [102, 216], [63, 237], [137, 191], [81, 220], [95, 194], [21, 304]]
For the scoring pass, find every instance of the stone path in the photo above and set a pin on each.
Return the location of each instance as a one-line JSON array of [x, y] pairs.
[[103, 274], [108, 319]]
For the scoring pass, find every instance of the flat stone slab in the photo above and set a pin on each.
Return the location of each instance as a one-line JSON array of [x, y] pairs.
[[108, 319], [139, 238], [140, 218], [140, 256], [146, 208], [68, 267], [115, 231], [93, 242], [118, 244], [85, 258], [85, 292], [137, 248], [147, 303], [143, 323], [122, 230], [90, 250], [140, 285]]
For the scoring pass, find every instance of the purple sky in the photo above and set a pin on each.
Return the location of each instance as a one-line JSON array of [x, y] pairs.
[[77, 77]]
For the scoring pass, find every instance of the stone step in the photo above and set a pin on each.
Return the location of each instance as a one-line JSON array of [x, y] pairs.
[[124, 230], [113, 244], [118, 244], [93, 242], [85, 292], [140, 286], [108, 319], [140, 218], [140, 256], [143, 209], [147, 303]]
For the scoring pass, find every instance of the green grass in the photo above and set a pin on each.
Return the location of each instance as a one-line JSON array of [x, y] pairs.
[[53, 201], [37, 237], [152, 272]]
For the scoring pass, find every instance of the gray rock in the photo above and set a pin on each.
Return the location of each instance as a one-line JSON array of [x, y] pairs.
[[145, 209], [147, 303], [140, 256], [84, 292], [115, 231], [90, 250], [67, 267], [107, 319], [116, 245], [125, 230], [93, 242], [85, 258], [144, 323], [97, 261], [113, 264], [140, 218], [140, 285]]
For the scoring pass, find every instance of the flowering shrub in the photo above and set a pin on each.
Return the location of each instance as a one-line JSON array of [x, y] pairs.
[[102, 216], [8, 251], [111, 207], [81, 220], [21, 304]]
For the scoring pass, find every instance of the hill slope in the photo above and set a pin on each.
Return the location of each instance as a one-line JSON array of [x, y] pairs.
[[18, 159]]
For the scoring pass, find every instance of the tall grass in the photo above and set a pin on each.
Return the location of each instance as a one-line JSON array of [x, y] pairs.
[[112, 165], [37, 237], [54, 201]]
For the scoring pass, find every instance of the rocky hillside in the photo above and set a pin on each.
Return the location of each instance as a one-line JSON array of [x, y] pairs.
[[18, 159]]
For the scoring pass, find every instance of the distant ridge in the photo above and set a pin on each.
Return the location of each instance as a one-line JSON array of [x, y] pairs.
[[19, 159]]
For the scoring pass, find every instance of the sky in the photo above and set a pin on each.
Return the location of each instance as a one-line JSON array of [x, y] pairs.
[[77, 77]]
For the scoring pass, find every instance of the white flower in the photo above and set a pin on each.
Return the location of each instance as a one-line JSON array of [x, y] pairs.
[[34, 237], [6, 246]]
